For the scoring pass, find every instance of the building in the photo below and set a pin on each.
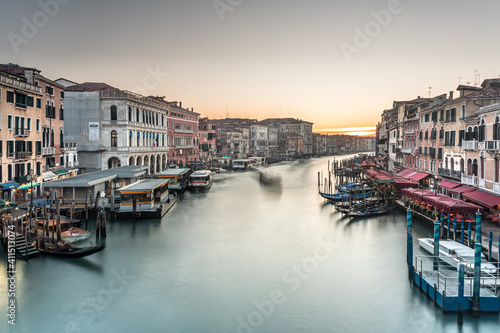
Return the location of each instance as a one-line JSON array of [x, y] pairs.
[[207, 134], [183, 134], [294, 126]]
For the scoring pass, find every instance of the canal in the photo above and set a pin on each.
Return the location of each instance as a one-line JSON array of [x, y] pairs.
[[240, 258]]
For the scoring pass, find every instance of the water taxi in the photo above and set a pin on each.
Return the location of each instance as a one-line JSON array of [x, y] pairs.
[[454, 254], [257, 160], [179, 178], [147, 198], [242, 164], [200, 180]]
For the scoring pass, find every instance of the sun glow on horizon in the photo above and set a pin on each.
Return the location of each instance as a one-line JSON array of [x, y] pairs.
[[359, 131]]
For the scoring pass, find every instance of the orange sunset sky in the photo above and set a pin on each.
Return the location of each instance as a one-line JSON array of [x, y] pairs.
[[318, 61]]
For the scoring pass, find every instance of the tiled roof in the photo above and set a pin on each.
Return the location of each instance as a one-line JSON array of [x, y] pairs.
[[91, 86]]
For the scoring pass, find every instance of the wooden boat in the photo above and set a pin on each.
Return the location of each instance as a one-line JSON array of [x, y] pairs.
[[68, 251], [454, 254], [200, 180], [370, 211], [151, 197], [344, 196], [69, 233]]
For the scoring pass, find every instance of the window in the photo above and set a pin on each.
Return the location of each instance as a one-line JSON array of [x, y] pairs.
[[496, 129], [28, 124], [30, 101], [441, 133], [38, 103], [463, 112], [29, 146], [61, 113], [114, 139], [38, 148], [482, 131], [10, 97], [10, 149], [38, 168], [453, 115], [426, 117], [129, 114], [434, 116], [137, 116], [49, 90], [62, 94], [9, 121], [461, 135], [61, 138], [482, 167], [114, 113], [37, 125]]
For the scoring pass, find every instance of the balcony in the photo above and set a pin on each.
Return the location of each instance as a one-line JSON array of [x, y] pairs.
[[48, 150], [469, 180], [21, 132], [492, 145], [181, 130], [184, 146], [455, 174], [408, 150], [21, 106], [469, 144], [496, 187], [482, 183], [22, 155]]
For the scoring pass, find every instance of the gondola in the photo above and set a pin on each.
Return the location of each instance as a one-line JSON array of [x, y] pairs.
[[370, 211], [68, 251]]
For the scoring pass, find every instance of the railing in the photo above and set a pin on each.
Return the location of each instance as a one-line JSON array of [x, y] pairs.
[[456, 174], [496, 187], [19, 84], [481, 183], [469, 180], [23, 155], [48, 150], [181, 130], [492, 145], [21, 106], [407, 150], [70, 145], [20, 132], [469, 145]]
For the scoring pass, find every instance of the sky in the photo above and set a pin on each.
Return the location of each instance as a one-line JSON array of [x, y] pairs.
[[337, 64]]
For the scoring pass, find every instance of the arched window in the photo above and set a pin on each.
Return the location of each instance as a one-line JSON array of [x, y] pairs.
[[114, 139], [462, 165], [497, 170], [129, 114], [114, 112], [452, 164], [137, 115], [496, 129], [469, 167], [446, 162], [482, 131], [474, 168], [475, 136]]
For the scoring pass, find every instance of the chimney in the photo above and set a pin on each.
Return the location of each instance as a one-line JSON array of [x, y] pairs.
[[180, 104], [451, 95]]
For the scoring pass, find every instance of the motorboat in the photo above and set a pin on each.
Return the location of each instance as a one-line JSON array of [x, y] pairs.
[[454, 254], [200, 180]]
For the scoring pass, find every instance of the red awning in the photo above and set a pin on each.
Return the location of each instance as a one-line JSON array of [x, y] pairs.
[[461, 189], [482, 198], [448, 184], [417, 175], [405, 172], [372, 173]]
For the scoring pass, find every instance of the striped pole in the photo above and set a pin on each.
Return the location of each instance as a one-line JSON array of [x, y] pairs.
[[455, 228], [442, 224], [462, 231], [448, 230], [477, 277], [478, 226], [469, 232], [498, 264], [410, 257], [436, 246], [461, 282], [408, 221], [490, 245]]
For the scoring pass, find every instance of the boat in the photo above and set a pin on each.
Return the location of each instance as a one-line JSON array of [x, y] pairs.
[[69, 233], [149, 198], [369, 211], [242, 164], [68, 251], [257, 160], [200, 180], [352, 187], [179, 178], [270, 178], [454, 254], [344, 196]]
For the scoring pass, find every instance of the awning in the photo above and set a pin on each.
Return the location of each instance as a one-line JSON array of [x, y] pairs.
[[9, 185], [49, 175], [26, 186], [417, 175], [462, 189], [61, 172], [447, 184], [405, 172], [483, 198]]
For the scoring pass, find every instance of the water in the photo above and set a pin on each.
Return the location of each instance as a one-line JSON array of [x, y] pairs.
[[239, 258]]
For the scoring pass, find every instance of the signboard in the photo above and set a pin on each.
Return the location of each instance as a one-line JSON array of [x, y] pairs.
[[93, 131]]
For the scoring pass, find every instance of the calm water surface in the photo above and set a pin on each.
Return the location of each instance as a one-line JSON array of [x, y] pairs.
[[240, 258]]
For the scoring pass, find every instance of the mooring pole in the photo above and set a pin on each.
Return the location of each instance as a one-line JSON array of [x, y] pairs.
[[455, 228], [462, 231], [469, 233], [436, 245], [461, 282], [490, 245], [478, 227], [442, 225], [448, 233], [477, 277]]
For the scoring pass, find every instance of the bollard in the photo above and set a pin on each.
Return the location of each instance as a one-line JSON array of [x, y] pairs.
[[462, 231], [461, 282], [410, 257], [477, 277], [448, 229], [442, 225], [469, 232], [408, 221], [436, 246], [478, 227]]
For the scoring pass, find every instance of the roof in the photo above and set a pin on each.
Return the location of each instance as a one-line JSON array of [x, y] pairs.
[[482, 198], [173, 172], [201, 173], [144, 185], [91, 86], [98, 177]]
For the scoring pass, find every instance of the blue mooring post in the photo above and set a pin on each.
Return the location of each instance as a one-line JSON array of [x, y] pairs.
[[498, 264], [469, 232], [461, 282], [409, 244], [490, 245], [455, 228], [442, 224], [478, 227], [462, 231], [477, 276], [436, 246], [448, 230]]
